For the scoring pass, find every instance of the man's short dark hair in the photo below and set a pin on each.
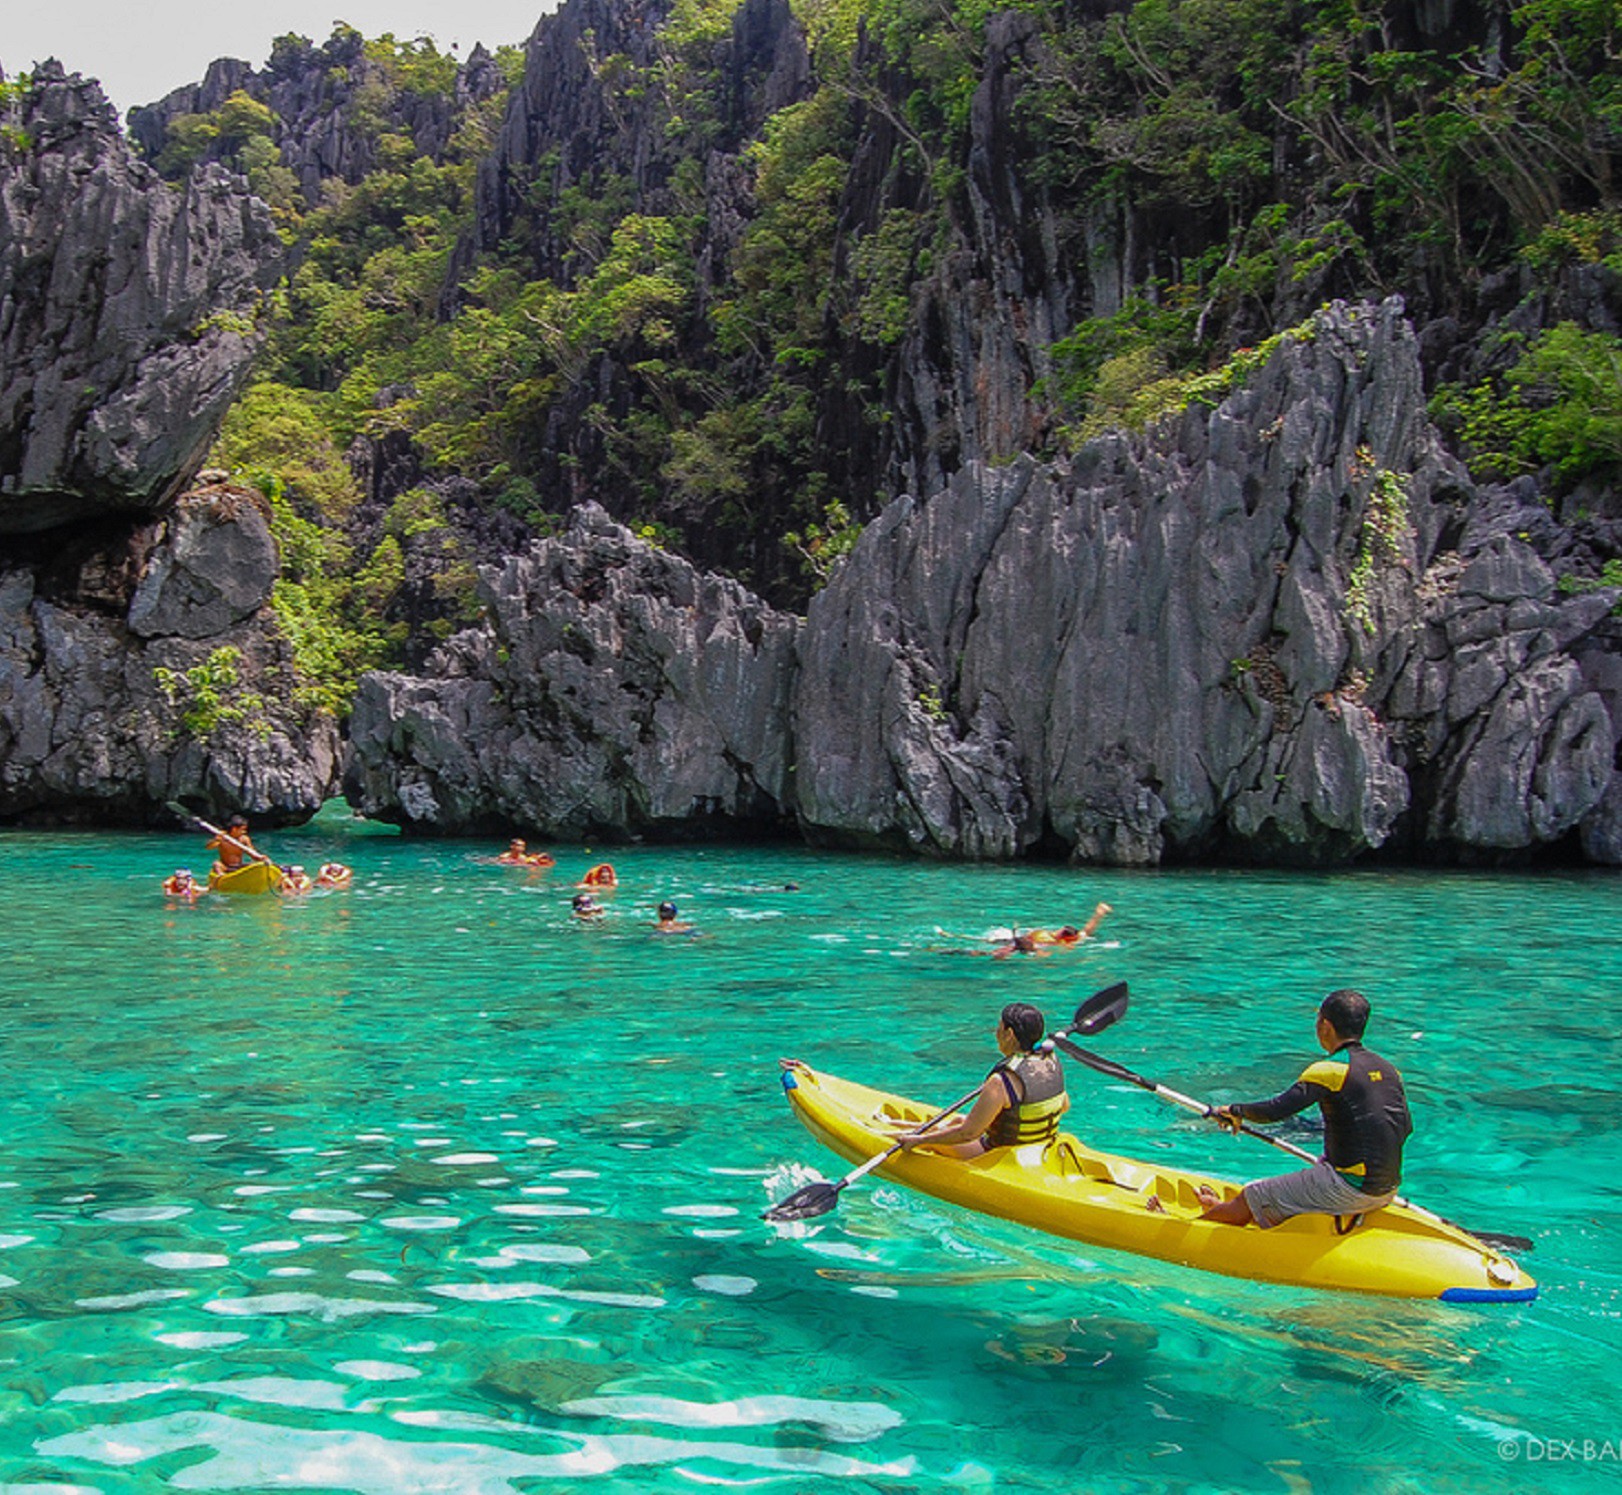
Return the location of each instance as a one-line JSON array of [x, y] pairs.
[[238, 819], [1025, 1023], [1346, 1011]]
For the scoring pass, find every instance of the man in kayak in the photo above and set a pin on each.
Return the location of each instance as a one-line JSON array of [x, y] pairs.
[[234, 846], [1366, 1122], [1021, 1101]]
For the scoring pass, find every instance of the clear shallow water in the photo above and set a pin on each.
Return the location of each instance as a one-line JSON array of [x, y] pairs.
[[419, 1187]]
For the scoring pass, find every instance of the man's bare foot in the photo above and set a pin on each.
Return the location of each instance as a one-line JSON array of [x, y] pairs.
[[1207, 1196]]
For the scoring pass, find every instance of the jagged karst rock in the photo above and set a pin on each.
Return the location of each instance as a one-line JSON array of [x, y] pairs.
[[326, 105], [127, 312], [615, 691], [104, 716], [1284, 629], [1167, 651]]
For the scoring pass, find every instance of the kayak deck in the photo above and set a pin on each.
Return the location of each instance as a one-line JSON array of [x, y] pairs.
[[1069, 1189]]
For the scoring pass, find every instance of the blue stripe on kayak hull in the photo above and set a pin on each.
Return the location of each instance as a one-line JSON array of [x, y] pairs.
[[1489, 1295]]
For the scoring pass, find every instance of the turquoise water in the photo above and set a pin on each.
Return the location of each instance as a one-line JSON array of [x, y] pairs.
[[420, 1187]]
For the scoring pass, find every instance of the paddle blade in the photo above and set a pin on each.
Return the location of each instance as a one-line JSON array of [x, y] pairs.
[[805, 1204], [1100, 1010]]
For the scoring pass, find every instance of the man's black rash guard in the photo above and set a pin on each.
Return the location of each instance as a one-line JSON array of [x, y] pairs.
[[1365, 1115]]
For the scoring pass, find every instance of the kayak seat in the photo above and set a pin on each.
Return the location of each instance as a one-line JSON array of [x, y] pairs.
[[1068, 1161]]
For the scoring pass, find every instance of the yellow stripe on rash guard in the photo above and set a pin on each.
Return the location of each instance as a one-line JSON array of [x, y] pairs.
[[1330, 1073]]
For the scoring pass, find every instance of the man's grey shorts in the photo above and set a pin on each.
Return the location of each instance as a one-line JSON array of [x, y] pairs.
[[1317, 1190]]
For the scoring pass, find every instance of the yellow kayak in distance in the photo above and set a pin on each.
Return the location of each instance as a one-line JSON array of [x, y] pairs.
[[250, 877], [1066, 1188]]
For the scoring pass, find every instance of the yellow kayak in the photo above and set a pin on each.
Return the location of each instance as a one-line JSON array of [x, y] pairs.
[[250, 877], [1068, 1189]]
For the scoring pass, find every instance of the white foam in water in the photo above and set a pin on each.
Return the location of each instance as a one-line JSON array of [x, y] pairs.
[[326, 1216], [464, 1159], [244, 1454], [8, 1241], [545, 1251], [201, 1340], [503, 1292], [422, 1222], [727, 1287], [366, 1275], [700, 1211], [327, 1310], [269, 1248], [186, 1261], [847, 1422], [377, 1370], [206, 1137]]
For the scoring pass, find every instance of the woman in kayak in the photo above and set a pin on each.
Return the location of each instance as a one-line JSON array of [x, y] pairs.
[[1020, 1103]]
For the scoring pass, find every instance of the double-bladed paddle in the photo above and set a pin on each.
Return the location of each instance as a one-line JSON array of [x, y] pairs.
[[1201, 1108], [214, 830], [1093, 1016]]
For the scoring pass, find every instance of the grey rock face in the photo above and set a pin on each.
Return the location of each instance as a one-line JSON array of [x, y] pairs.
[[104, 716], [126, 312], [1222, 640], [1284, 629], [326, 101], [616, 690]]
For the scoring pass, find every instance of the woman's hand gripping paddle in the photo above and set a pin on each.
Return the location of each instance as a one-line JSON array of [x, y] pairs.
[[1104, 1066], [1093, 1016], [214, 830]]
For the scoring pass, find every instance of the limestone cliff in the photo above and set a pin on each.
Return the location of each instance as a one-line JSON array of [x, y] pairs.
[[140, 659], [127, 311], [142, 665], [1283, 629], [615, 691]]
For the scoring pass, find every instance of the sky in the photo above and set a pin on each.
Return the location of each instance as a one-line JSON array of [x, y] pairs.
[[142, 49]]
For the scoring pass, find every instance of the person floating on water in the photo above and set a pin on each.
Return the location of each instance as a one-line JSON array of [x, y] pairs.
[[670, 922], [1366, 1123], [234, 847], [1036, 941], [183, 885], [1020, 1103], [295, 882], [518, 854], [586, 908], [334, 875], [1020, 944], [602, 875], [1070, 935]]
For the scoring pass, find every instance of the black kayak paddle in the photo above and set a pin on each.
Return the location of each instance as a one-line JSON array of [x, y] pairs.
[[1093, 1016], [1104, 1066]]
